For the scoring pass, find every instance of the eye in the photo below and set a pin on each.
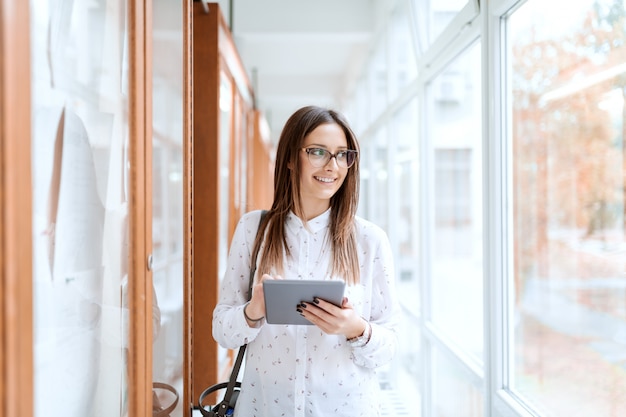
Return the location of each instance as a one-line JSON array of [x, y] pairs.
[[348, 156], [317, 152]]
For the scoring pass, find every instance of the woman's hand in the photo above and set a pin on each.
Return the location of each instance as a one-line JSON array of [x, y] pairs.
[[332, 319], [255, 309]]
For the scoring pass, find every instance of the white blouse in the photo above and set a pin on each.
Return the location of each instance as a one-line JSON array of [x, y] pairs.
[[299, 371]]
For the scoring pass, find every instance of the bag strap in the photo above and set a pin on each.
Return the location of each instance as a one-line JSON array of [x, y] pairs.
[[163, 412], [225, 404]]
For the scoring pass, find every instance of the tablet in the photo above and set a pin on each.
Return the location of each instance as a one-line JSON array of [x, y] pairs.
[[283, 296]]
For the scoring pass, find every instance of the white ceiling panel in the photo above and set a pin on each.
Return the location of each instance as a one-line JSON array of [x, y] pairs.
[[301, 52]]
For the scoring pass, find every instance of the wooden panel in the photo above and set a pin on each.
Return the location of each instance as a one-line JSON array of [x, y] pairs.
[[188, 118], [205, 196], [140, 209], [16, 327]]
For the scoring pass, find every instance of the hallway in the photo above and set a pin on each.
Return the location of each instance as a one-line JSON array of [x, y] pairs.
[[134, 136]]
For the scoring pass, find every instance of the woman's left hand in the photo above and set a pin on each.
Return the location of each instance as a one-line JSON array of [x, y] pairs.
[[332, 319]]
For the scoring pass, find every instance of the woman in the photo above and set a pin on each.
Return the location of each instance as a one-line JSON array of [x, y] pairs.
[[312, 232]]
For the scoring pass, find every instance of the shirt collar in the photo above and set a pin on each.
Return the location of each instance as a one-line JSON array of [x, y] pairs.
[[295, 224]]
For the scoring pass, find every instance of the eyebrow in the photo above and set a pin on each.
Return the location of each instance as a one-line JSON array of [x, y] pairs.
[[317, 145]]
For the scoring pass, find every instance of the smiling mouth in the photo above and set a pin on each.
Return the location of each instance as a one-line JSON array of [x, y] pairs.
[[325, 180]]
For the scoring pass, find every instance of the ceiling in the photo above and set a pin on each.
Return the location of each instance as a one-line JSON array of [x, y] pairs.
[[301, 52]]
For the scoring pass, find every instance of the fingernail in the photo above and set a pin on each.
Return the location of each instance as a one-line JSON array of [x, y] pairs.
[[302, 305], [316, 300], [299, 310]]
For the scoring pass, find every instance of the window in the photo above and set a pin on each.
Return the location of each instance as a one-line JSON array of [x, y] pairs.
[[456, 247], [436, 20], [557, 342], [377, 81], [404, 235], [402, 63], [375, 175], [455, 279], [568, 82]]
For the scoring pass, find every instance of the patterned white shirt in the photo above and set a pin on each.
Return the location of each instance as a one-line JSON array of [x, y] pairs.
[[299, 371]]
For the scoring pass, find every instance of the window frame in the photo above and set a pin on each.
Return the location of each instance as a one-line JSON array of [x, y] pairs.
[[453, 30], [497, 177]]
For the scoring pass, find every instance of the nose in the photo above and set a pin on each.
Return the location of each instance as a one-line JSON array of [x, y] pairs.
[[333, 158]]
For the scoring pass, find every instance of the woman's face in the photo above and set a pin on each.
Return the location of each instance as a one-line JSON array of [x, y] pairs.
[[319, 184]]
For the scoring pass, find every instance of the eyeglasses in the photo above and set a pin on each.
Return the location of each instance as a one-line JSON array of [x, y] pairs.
[[319, 157]]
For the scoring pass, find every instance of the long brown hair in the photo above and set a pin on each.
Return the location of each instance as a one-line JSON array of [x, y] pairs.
[[343, 204]]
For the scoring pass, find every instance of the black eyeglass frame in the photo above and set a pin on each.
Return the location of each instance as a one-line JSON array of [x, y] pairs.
[[328, 155]]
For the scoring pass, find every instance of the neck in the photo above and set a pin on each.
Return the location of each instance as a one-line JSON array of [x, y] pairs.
[[312, 211]]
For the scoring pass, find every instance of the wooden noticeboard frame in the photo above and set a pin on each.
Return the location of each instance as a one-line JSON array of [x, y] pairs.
[[16, 318], [140, 208]]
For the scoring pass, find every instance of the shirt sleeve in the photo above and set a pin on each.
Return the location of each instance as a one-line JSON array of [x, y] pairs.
[[384, 315], [230, 328]]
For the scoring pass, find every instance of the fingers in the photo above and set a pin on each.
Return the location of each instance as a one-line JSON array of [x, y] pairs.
[[316, 315], [328, 317], [264, 277], [257, 299], [326, 306]]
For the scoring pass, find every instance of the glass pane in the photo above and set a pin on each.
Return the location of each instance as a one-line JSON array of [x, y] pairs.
[[457, 256], [402, 62], [80, 211], [359, 108], [365, 190], [406, 178], [167, 198], [432, 17], [568, 187], [246, 134], [454, 394], [401, 394], [404, 236], [376, 155], [377, 79], [225, 133], [225, 192]]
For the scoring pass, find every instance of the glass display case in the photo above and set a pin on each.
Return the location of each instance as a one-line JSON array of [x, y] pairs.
[[75, 148], [80, 152]]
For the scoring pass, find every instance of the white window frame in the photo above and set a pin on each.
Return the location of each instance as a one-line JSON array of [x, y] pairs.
[[430, 335], [497, 175]]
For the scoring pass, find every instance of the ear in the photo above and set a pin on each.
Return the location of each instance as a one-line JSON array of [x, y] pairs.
[[290, 166]]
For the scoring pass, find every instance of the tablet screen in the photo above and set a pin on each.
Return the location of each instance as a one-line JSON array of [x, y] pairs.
[[283, 296]]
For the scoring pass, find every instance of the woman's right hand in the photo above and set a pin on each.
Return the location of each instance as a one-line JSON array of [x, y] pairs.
[[256, 307]]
